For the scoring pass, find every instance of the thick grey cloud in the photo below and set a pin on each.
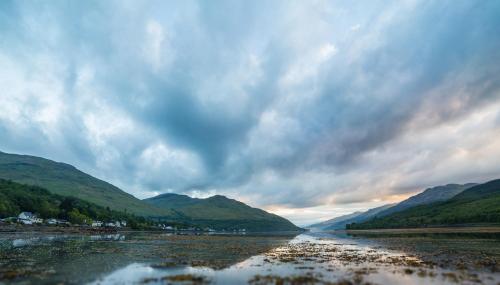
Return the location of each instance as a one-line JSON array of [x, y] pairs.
[[282, 104]]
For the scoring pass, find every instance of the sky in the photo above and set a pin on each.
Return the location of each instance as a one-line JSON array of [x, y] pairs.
[[308, 109]]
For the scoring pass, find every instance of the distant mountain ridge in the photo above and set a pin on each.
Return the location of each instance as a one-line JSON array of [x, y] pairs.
[[327, 223], [365, 216], [479, 204], [220, 212], [356, 217], [428, 196]]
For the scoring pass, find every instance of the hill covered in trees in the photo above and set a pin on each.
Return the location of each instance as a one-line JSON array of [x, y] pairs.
[[16, 198], [65, 180], [479, 204], [54, 188], [220, 212], [428, 196]]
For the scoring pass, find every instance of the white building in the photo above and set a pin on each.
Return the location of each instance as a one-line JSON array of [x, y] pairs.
[[97, 224], [28, 218]]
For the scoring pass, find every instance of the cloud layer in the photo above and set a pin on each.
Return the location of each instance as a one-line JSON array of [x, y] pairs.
[[286, 105]]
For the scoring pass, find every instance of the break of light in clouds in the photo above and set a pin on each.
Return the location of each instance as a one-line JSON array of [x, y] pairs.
[[308, 108]]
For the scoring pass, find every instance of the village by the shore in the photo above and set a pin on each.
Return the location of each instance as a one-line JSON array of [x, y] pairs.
[[29, 220]]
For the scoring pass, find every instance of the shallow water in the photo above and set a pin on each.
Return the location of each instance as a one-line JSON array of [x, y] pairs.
[[311, 258]]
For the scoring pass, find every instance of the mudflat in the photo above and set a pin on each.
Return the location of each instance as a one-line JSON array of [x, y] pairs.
[[308, 258]]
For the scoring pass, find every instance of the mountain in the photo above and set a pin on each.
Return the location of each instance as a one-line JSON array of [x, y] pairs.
[[16, 198], [220, 212], [365, 216], [336, 220], [65, 180], [339, 223], [479, 204], [428, 196], [480, 192]]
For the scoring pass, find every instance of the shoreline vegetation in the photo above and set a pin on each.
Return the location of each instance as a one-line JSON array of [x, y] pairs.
[[18, 228], [6, 228]]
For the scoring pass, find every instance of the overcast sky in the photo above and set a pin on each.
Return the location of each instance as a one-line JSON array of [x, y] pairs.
[[309, 109]]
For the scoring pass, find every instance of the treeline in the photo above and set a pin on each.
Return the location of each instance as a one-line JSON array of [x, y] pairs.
[[247, 224], [16, 198]]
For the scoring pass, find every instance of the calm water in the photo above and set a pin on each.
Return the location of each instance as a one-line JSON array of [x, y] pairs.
[[313, 258]]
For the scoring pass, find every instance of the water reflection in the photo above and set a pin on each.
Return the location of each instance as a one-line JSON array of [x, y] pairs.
[[459, 251], [315, 258], [310, 259], [48, 259]]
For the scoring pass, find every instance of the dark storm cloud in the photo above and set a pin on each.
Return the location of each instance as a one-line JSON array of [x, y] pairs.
[[283, 102], [431, 46]]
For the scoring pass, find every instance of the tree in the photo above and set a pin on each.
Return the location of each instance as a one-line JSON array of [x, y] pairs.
[[75, 217]]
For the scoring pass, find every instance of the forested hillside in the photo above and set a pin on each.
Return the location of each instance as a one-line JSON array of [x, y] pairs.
[[64, 179], [477, 205], [16, 198], [220, 212]]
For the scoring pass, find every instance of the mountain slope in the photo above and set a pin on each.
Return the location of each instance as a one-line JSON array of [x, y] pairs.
[[16, 198], [482, 191], [365, 216], [339, 223], [64, 179], [478, 204], [428, 196], [220, 212], [336, 220]]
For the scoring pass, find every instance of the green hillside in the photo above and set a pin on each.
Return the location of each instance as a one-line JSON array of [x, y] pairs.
[[364, 216], [219, 212], [428, 196], [64, 179], [477, 205], [16, 198]]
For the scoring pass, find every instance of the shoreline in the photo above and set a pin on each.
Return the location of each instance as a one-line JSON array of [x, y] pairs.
[[55, 229], [17, 228], [437, 230]]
